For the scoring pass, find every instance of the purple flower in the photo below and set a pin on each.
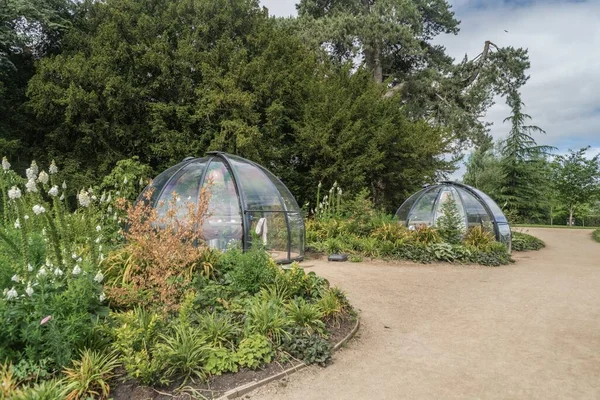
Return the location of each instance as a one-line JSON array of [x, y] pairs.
[[46, 319]]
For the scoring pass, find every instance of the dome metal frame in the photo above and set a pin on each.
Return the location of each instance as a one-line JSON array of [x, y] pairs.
[[497, 218], [246, 212]]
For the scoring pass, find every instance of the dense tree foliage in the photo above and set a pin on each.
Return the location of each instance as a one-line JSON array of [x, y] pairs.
[[577, 181], [393, 40], [92, 83]]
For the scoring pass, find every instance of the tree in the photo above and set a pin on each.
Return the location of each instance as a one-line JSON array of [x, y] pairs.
[[394, 41], [29, 30], [450, 224], [577, 179], [163, 80], [484, 170], [523, 163]]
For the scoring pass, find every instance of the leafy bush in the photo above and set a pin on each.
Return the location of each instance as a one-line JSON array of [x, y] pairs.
[[217, 329], [306, 315], [596, 235], [183, 352], [161, 262], [525, 242], [478, 237], [310, 348], [332, 305], [221, 360], [248, 272], [89, 376], [44, 390], [134, 336], [254, 351], [267, 318]]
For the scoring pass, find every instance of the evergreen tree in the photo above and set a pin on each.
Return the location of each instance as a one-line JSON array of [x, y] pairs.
[[450, 224], [524, 181]]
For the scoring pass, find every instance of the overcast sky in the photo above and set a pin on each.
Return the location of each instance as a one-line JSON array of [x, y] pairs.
[[563, 38]]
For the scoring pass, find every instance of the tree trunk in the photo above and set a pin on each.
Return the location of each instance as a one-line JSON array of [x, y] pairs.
[[551, 216], [373, 61], [570, 216]]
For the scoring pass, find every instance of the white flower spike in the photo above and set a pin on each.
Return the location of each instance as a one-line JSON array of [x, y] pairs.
[[16, 278], [53, 191], [76, 270], [43, 178], [99, 277], [17, 224], [5, 164], [31, 186], [11, 294], [98, 228], [58, 271], [14, 193], [53, 168], [84, 198], [102, 297], [37, 209], [29, 290]]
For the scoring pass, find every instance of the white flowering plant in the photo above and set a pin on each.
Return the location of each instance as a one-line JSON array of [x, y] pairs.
[[51, 287]]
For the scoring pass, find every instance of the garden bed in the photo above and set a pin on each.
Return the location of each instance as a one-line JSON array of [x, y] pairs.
[[216, 386]]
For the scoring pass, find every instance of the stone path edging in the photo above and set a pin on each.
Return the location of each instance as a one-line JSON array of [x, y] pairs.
[[242, 390]]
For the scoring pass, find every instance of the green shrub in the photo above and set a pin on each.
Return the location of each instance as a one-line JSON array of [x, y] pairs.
[[596, 235], [134, 336], [183, 353], [478, 237], [43, 390], [221, 360], [217, 329], [306, 315], [525, 242], [267, 318], [426, 235], [310, 348], [331, 305], [250, 271], [89, 376], [254, 351]]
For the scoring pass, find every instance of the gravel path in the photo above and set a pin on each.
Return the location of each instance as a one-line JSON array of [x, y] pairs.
[[530, 330]]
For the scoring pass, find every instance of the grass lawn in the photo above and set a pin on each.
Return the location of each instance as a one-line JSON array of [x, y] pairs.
[[553, 226]]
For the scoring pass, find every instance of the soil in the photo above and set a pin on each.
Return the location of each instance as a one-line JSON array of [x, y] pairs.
[[529, 330], [218, 385]]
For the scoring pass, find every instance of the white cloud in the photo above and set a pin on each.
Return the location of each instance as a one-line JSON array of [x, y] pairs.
[[562, 94], [280, 8]]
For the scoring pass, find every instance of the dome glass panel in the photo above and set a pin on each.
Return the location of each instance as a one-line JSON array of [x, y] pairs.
[[248, 205], [475, 207]]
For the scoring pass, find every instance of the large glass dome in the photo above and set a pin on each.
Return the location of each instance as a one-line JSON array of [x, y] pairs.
[[476, 207], [246, 202]]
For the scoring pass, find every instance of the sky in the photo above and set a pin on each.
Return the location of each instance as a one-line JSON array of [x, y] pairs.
[[563, 37]]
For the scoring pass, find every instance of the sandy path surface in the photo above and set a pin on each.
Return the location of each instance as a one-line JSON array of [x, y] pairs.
[[530, 330]]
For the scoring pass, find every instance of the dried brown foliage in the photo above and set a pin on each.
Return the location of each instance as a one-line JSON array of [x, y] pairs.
[[163, 251]]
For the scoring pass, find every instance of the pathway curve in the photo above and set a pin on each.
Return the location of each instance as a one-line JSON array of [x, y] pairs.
[[530, 330]]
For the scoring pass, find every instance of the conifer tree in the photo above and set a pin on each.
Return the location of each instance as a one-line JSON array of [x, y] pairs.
[[450, 224]]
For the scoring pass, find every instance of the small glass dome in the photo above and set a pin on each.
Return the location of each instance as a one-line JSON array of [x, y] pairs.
[[246, 201], [476, 207]]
